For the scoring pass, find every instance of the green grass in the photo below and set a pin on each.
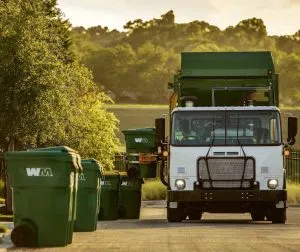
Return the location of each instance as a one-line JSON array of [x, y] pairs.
[[3, 229], [284, 107], [136, 106], [293, 193], [155, 190]]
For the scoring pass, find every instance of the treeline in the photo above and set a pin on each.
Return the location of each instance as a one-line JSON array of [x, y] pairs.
[[135, 65], [47, 97]]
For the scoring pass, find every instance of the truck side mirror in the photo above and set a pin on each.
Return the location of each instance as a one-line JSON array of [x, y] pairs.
[[160, 131], [292, 129]]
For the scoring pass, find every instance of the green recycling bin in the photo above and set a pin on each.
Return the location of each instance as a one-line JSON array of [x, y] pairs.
[[88, 196], [44, 183], [129, 197], [109, 196], [140, 140]]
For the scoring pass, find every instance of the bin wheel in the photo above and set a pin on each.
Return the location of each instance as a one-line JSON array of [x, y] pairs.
[[278, 216], [24, 235], [121, 212]]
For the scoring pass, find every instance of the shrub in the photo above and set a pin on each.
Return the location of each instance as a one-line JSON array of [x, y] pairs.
[[153, 189]]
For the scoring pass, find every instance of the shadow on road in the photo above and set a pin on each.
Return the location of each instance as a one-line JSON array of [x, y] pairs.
[[163, 223]]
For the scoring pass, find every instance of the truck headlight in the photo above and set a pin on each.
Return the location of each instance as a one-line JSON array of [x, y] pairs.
[[180, 184], [273, 183]]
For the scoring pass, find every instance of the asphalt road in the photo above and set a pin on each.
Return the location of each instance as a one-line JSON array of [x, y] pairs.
[[215, 232]]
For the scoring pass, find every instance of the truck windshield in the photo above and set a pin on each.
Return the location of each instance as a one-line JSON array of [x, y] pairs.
[[204, 128]]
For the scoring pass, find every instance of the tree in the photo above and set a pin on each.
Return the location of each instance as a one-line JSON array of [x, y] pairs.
[[43, 87]]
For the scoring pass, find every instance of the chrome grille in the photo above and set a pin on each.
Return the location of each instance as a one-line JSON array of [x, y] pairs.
[[226, 172]]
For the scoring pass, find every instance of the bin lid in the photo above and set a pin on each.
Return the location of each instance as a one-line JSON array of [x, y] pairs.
[[123, 174], [148, 130], [55, 148], [91, 164], [62, 153], [111, 173]]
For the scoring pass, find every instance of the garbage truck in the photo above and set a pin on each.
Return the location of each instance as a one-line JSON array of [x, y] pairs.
[[225, 152]]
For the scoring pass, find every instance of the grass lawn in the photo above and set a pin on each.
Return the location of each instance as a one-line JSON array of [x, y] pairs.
[[137, 106]]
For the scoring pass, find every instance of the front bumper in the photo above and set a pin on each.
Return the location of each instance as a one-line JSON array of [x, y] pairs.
[[227, 196]]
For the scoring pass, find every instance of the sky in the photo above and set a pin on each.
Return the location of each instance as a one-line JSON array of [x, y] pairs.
[[281, 17]]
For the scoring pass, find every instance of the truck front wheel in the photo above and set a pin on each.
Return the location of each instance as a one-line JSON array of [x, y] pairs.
[[278, 216], [257, 216], [175, 214], [195, 215]]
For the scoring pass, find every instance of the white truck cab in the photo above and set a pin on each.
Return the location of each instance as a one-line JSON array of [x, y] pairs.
[[225, 152]]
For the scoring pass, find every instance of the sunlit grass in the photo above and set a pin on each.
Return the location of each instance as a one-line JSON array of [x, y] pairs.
[[3, 229], [293, 193], [136, 106], [284, 107]]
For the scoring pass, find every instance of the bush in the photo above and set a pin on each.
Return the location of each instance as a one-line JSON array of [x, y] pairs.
[[153, 189]]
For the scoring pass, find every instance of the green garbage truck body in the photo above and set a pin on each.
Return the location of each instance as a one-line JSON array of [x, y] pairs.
[[225, 150]]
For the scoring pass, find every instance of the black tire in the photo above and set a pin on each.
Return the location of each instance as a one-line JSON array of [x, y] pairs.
[[174, 214], [258, 216], [195, 215], [24, 235], [278, 216]]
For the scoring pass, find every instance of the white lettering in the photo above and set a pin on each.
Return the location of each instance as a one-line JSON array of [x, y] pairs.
[[81, 177], [141, 140], [39, 172], [105, 183], [33, 172]]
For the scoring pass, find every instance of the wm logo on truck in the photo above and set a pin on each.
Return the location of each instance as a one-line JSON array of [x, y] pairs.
[[141, 140], [39, 172]]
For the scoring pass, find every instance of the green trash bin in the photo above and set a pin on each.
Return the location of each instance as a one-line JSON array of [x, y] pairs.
[[76, 158], [88, 198], [140, 140], [109, 196], [44, 183], [129, 197]]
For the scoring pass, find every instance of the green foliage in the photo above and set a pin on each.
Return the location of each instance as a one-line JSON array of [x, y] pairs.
[[153, 189], [293, 193], [47, 97], [135, 65], [3, 229]]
